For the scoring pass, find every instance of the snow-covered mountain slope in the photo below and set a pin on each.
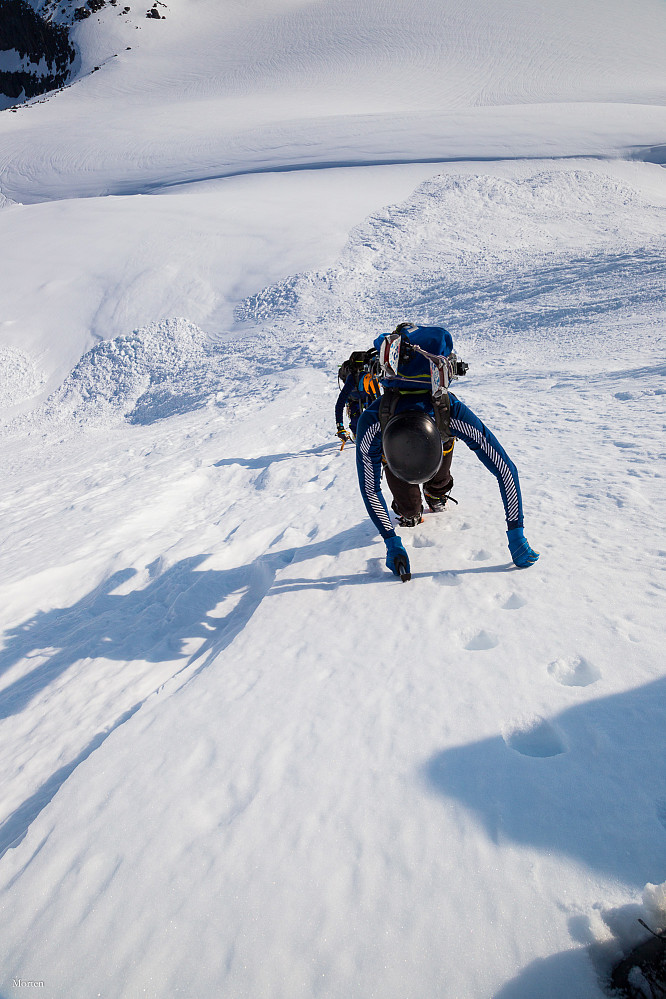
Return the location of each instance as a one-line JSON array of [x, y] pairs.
[[239, 758], [221, 89], [218, 706], [84, 270]]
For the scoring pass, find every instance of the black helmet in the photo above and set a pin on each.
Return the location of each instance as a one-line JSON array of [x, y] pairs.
[[412, 446]]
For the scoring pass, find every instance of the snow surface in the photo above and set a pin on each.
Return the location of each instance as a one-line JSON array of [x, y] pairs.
[[239, 758]]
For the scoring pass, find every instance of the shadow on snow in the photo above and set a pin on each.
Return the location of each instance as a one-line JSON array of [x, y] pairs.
[[148, 625], [569, 974], [589, 784], [152, 624], [16, 825], [268, 459]]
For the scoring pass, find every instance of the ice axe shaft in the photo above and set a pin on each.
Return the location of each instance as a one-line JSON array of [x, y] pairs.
[[403, 571]]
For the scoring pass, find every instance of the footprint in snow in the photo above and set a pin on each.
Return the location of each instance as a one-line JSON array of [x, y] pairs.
[[375, 567], [481, 642], [479, 556], [447, 579], [514, 602], [535, 737], [574, 671], [422, 542]]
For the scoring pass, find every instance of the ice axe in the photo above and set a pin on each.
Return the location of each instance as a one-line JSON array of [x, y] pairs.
[[402, 569]]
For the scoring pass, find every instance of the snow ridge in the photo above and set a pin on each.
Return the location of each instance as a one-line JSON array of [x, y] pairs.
[[159, 371], [145, 373], [490, 254]]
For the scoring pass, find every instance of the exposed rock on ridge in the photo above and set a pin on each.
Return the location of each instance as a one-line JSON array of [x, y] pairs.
[[35, 55]]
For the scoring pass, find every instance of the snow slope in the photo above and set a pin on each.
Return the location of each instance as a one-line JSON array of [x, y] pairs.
[[218, 90], [239, 758]]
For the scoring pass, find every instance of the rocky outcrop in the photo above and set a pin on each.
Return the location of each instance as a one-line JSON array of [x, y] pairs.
[[35, 55]]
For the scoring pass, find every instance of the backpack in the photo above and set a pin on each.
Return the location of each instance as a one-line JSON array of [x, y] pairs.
[[420, 356], [418, 359], [369, 387], [355, 364]]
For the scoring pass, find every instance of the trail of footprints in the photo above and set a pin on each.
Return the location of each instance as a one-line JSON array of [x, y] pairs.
[[537, 736], [534, 736]]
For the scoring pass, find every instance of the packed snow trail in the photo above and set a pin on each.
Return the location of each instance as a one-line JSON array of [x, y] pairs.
[[218, 706]]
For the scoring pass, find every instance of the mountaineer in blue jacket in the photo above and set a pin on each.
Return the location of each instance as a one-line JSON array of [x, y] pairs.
[[409, 429], [358, 391]]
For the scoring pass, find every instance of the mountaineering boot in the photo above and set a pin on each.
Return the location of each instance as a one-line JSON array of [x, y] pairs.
[[404, 521], [438, 503], [409, 521]]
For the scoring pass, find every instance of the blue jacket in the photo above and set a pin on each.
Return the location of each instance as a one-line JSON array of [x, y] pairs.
[[415, 373], [465, 426], [350, 390]]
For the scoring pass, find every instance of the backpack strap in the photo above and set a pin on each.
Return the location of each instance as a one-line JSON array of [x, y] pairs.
[[387, 406], [442, 410]]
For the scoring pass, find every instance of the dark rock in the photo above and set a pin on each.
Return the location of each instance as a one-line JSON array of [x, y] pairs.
[[21, 28], [643, 969]]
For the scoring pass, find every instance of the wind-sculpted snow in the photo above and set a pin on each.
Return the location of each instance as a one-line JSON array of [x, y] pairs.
[[206, 668], [4, 201], [542, 256], [239, 758], [159, 371], [488, 253], [162, 370], [251, 87], [148, 372], [20, 378]]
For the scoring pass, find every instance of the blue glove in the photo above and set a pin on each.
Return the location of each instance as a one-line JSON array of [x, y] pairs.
[[521, 553], [396, 558]]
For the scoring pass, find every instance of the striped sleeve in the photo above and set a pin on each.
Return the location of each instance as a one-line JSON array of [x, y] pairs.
[[369, 469], [345, 392], [467, 427]]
